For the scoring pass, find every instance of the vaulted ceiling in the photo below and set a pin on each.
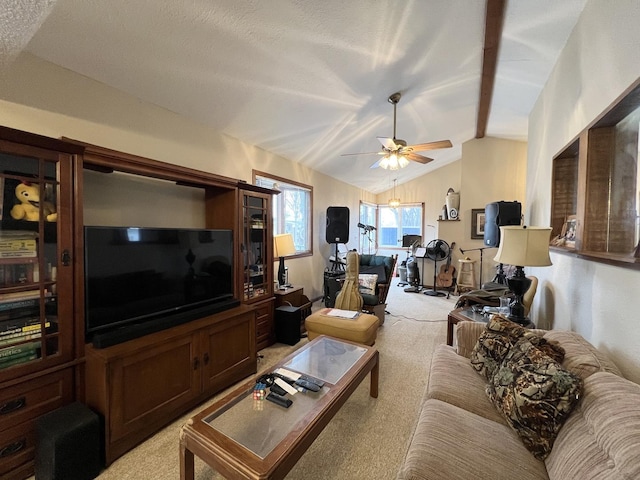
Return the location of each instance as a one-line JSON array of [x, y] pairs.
[[309, 80]]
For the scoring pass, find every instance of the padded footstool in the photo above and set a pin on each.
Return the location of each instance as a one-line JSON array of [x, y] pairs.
[[362, 329]]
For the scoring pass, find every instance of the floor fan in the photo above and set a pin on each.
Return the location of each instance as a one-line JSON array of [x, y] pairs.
[[437, 250]]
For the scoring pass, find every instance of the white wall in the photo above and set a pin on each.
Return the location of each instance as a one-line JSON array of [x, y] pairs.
[[601, 59]]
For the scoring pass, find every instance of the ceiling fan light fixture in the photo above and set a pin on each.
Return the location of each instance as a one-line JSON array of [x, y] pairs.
[[393, 161]]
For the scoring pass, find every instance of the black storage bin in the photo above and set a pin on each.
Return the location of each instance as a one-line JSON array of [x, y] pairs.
[[68, 444], [287, 324]]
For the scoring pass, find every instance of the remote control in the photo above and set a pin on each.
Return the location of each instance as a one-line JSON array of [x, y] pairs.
[[277, 389], [290, 381], [279, 400], [319, 383], [307, 385]]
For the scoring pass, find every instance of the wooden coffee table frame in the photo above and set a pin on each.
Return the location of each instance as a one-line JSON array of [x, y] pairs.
[[233, 461]]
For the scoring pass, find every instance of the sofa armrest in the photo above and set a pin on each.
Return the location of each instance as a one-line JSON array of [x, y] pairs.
[[467, 334]]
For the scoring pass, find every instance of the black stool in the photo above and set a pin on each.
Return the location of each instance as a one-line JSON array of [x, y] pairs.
[[68, 444]]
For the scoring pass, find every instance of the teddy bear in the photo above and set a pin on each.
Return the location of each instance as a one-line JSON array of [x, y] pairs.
[[30, 206]]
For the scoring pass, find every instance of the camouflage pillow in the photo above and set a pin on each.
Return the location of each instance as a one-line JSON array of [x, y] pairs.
[[535, 395], [495, 342]]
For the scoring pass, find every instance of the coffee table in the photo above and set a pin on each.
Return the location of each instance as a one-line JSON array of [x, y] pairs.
[[244, 438]]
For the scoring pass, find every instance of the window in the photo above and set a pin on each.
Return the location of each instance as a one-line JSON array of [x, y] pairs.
[[291, 209], [396, 222], [368, 237]]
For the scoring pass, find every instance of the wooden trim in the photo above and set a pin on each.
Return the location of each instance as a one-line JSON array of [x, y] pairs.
[[32, 139], [106, 160], [492, 33]]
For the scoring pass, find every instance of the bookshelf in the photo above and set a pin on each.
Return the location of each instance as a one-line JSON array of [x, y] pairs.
[[38, 370]]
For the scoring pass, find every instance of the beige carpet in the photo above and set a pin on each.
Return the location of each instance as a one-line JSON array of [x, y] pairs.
[[368, 437]]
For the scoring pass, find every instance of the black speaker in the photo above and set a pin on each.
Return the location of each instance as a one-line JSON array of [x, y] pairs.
[[337, 225], [287, 324], [68, 444], [332, 285], [498, 214]]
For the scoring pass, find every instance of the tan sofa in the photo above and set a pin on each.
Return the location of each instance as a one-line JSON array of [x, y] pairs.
[[460, 435]]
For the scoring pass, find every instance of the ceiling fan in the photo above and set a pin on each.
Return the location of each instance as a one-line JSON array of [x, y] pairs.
[[396, 153]]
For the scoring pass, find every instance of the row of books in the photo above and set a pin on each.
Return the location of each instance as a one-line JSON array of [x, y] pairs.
[[15, 331], [18, 273], [24, 295], [18, 244], [33, 310], [18, 354]]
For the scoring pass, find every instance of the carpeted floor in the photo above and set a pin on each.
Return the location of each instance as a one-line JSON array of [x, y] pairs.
[[368, 437]]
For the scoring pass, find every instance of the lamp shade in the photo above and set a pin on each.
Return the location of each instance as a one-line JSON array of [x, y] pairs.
[[524, 246], [283, 245]]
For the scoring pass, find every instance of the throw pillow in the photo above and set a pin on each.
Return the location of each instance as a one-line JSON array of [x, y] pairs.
[[494, 344], [535, 395], [500, 335], [367, 283]]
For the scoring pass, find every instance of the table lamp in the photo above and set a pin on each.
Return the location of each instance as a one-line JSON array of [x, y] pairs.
[[283, 247], [522, 246]]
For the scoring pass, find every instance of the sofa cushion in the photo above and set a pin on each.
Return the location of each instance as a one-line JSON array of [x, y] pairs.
[[496, 341], [452, 380], [535, 394], [601, 439], [581, 357], [451, 443]]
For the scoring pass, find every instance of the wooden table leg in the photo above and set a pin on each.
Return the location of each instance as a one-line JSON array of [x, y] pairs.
[[375, 376], [450, 323], [186, 463]]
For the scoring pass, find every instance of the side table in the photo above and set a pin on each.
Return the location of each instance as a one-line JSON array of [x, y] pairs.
[[295, 297], [468, 314], [459, 315]]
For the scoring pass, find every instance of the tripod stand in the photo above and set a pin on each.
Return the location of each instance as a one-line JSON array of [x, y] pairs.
[[481, 249]]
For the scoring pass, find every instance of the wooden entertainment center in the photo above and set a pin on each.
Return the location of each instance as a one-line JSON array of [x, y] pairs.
[[140, 385]]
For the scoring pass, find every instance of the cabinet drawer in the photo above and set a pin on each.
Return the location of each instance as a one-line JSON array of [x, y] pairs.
[[263, 330], [263, 312], [17, 447], [29, 400]]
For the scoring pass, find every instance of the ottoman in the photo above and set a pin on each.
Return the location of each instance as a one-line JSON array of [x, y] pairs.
[[362, 329]]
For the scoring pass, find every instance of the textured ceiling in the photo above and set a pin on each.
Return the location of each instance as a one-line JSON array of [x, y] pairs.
[[309, 80]]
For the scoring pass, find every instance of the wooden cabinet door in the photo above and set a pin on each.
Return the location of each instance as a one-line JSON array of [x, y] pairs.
[[151, 384], [229, 351]]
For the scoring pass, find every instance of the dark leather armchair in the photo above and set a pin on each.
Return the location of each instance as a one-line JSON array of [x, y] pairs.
[[384, 267]]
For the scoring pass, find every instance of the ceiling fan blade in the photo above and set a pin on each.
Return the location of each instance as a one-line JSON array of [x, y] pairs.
[[367, 153], [421, 147], [418, 158], [388, 143], [376, 164]]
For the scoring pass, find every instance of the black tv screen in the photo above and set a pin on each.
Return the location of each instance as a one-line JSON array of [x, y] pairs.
[[135, 275]]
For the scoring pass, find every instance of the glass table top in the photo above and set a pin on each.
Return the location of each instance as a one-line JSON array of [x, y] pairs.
[[260, 425]]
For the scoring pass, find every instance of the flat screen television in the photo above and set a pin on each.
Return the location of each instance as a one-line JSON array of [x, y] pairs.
[[141, 280]]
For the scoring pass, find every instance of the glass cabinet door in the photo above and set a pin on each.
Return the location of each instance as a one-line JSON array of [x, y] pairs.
[[35, 272], [257, 272]]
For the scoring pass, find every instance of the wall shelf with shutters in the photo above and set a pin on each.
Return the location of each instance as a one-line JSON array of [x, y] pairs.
[[595, 207], [37, 327]]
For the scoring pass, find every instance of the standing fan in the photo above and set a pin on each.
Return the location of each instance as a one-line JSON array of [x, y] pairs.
[[437, 250]]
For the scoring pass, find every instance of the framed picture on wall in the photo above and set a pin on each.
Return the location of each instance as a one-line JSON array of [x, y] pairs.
[[477, 223]]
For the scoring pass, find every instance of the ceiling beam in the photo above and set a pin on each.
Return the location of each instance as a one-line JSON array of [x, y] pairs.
[[492, 33]]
